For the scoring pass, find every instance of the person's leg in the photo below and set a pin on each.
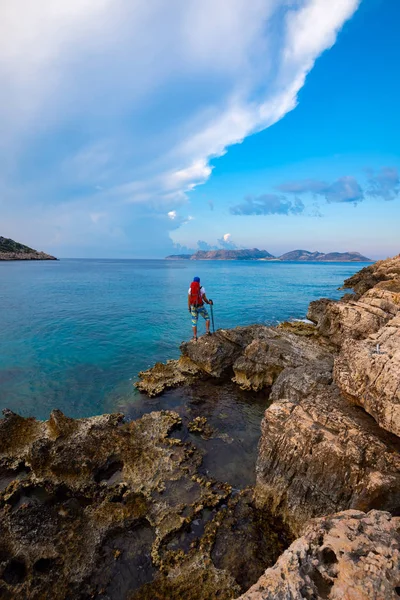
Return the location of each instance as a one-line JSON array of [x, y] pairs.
[[204, 314], [195, 316]]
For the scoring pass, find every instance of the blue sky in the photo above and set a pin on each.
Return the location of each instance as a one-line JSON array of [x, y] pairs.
[[137, 129]]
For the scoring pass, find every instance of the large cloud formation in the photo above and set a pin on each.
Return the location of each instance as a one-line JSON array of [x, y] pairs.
[[112, 109]]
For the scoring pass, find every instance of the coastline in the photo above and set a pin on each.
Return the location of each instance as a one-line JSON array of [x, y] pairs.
[[329, 448]]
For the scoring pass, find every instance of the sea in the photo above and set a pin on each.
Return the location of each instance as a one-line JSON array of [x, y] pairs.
[[74, 334]]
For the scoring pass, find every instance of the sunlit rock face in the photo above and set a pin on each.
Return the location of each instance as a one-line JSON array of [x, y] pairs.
[[350, 555], [368, 374], [375, 302], [318, 454], [320, 451]]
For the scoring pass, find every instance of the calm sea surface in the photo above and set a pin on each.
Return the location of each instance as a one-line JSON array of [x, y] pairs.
[[75, 333]]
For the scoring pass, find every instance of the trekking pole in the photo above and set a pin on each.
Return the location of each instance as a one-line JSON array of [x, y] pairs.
[[212, 317]]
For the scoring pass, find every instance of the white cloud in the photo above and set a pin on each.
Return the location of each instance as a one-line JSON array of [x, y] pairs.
[[172, 214], [226, 237], [126, 101]]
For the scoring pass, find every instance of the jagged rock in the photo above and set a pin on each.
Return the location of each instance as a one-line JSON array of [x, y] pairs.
[[105, 508], [215, 354], [271, 352], [355, 318], [255, 355], [347, 556], [201, 426], [211, 356], [318, 454], [373, 275], [368, 374], [376, 302], [162, 377]]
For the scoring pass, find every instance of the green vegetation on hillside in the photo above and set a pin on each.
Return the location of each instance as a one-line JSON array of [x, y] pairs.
[[8, 245]]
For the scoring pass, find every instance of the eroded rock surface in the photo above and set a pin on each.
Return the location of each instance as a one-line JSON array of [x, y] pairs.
[[172, 374], [347, 556], [272, 351], [110, 509], [252, 356], [376, 301], [318, 454], [368, 374], [211, 356], [375, 275]]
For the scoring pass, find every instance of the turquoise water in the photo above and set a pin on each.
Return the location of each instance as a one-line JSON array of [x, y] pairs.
[[75, 333]]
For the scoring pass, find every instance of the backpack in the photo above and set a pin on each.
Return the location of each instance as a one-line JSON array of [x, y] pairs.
[[195, 294]]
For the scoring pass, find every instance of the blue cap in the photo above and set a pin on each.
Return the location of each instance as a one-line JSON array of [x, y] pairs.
[[196, 279]]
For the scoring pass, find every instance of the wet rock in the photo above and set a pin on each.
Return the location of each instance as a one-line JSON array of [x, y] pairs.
[[368, 374], [231, 545], [350, 555], [105, 508], [161, 377], [200, 425], [318, 454], [261, 540]]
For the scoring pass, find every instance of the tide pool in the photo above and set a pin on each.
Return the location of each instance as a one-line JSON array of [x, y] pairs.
[[75, 333]]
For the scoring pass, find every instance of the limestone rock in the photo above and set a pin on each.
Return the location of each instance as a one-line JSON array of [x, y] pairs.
[[210, 356], [376, 302], [255, 355], [162, 377], [373, 275], [318, 454], [368, 374], [355, 318], [215, 354], [104, 508], [346, 556], [273, 350]]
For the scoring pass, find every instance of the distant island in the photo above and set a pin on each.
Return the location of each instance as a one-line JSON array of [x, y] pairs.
[[11, 250], [256, 254]]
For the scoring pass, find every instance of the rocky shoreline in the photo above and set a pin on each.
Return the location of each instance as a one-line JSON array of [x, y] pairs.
[[11, 250], [106, 508]]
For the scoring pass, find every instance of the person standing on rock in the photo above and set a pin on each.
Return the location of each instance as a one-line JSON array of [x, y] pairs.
[[196, 298]]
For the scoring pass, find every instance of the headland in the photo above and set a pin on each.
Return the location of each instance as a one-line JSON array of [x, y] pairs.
[[11, 250]]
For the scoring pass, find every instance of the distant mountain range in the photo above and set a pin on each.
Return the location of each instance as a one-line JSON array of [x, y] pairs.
[[256, 254], [11, 250]]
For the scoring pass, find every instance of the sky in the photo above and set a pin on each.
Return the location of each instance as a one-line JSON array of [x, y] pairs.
[[141, 128]]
